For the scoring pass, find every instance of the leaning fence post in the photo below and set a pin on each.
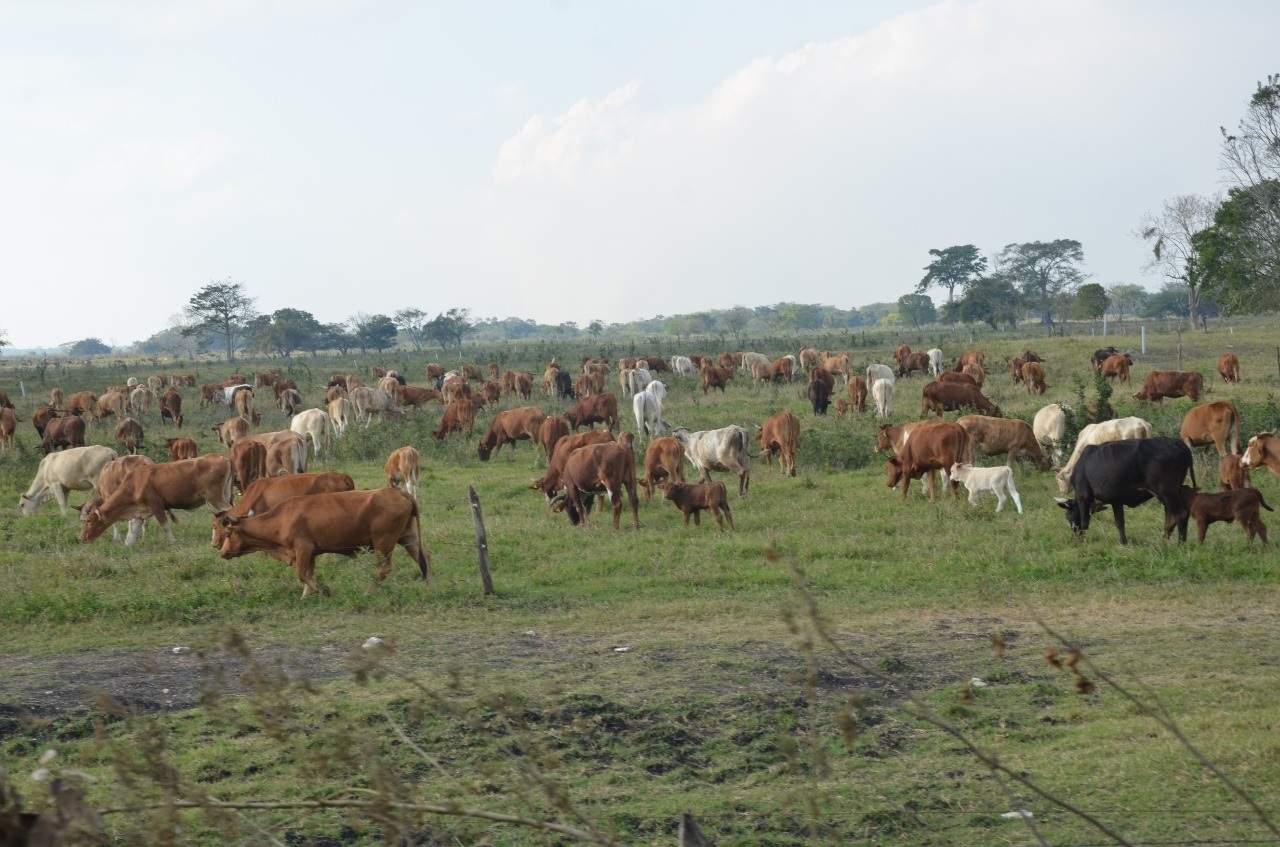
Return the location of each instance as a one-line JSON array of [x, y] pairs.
[[482, 541]]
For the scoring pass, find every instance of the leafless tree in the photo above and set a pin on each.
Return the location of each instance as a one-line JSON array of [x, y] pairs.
[[1169, 233]]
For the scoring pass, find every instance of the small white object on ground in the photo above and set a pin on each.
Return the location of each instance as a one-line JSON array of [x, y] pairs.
[[1017, 814], [622, 649], [978, 682], [178, 651], [373, 641]]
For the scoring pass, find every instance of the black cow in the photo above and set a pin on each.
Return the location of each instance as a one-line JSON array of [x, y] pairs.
[[1129, 473], [819, 396], [564, 385], [1100, 356]]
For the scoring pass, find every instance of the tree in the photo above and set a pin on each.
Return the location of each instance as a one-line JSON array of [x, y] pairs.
[[1173, 252], [87, 347], [1091, 301], [220, 309], [4, 339], [736, 319], [992, 300], [335, 337], [595, 328], [448, 329], [1043, 271], [413, 323], [373, 332], [953, 267], [1126, 299], [918, 309]]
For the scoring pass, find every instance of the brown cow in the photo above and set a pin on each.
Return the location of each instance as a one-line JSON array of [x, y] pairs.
[[781, 435], [82, 403], [1229, 367], [458, 415], [129, 434], [857, 390], [41, 416], [412, 397], [111, 403], [208, 392], [286, 451], [599, 469], [301, 528], [1033, 377], [8, 425], [1015, 368], [901, 353], [1212, 423], [180, 448], [1232, 474], [248, 463], [1032, 356], [663, 460], [554, 428], [1262, 451], [927, 450], [1238, 505], [63, 432], [825, 377], [402, 470], [231, 430], [109, 479], [1116, 367], [270, 491], [57, 398], [552, 481], [471, 373], [654, 364], [491, 392], [783, 368], [155, 490], [975, 372], [939, 397], [691, 499], [434, 371], [952, 376], [714, 377], [1161, 384], [912, 363], [601, 408], [171, 407], [1001, 436], [510, 426]]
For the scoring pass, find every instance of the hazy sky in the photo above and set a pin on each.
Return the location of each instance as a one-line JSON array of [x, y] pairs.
[[576, 160]]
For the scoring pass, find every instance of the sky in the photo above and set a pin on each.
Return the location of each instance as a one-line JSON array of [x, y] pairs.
[[574, 161]]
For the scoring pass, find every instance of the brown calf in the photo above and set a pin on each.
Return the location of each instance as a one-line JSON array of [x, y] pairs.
[[663, 460], [1239, 505], [692, 499]]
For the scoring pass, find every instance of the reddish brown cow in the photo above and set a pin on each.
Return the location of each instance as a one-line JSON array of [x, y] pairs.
[[180, 448], [1229, 368], [1033, 377], [551, 481], [491, 392], [781, 435], [1212, 423], [857, 390], [510, 426], [715, 377], [1116, 367], [458, 415], [912, 363], [554, 428], [63, 432], [692, 499], [402, 469], [927, 450], [901, 353], [129, 434], [156, 490], [1232, 474], [655, 364], [1237, 505], [601, 408], [111, 403], [1003, 436], [8, 425], [663, 460], [939, 397], [1161, 384], [434, 372], [599, 469], [953, 376], [1015, 369], [248, 463], [825, 377], [5, 402], [471, 373], [270, 491], [782, 368], [82, 403], [41, 416], [171, 407], [1263, 451], [345, 522], [970, 357], [412, 397]]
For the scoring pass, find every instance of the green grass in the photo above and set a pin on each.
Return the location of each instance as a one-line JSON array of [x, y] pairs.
[[708, 711]]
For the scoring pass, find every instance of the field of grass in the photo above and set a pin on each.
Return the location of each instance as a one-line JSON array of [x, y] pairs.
[[617, 679]]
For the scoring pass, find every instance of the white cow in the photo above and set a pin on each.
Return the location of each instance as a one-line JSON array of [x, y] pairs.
[[998, 480], [1120, 429], [373, 401], [1050, 426], [657, 389], [935, 361], [313, 423], [882, 394], [73, 469], [749, 360], [876, 371], [340, 414], [683, 366], [717, 450], [637, 379], [648, 412]]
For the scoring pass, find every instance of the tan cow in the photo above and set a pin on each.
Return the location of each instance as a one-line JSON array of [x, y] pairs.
[[1033, 377], [1213, 423], [231, 430], [458, 415], [129, 435], [781, 435], [509, 427], [180, 448], [1003, 436], [8, 425], [1229, 368], [402, 470], [663, 460], [155, 490], [248, 463], [1116, 366], [857, 390]]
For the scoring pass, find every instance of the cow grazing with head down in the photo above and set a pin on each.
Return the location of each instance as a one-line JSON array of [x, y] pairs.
[[290, 402], [1213, 423], [248, 463], [926, 450], [693, 499], [129, 435], [62, 432], [912, 363], [1116, 367], [1119, 429], [1232, 473], [935, 362], [714, 377], [156, 490], [1003, 436], [1161, 384], [369, 402], [171, 407], [1239, 505], [939, 397], [1229, 368], [722, 449], [40, 418], [857, 391], [402, 469], [882, 395], [76, 469], [458, 415], [231, 430], [780, 435], [663, 460], [267, 493], [8, 425], [82, 403], [112, 476], [1129, 473], [551, 481], [180, 448], [345, 522], [554, 428], [1101, 355], [819, 396], [1050, 427], [599, 408], [600, 469], [509, 427], [1033, 377]]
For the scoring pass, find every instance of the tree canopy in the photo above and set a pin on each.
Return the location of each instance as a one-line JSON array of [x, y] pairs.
[[993, 300], [220, 309], [952, 268], [1043, 271], [448, 329], [1091, 301], [87, 347], [918, 309]]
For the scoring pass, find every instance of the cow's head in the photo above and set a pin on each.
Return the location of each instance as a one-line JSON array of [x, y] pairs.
[[28, 505], [92, 525], [1077, 517], [894, 468]]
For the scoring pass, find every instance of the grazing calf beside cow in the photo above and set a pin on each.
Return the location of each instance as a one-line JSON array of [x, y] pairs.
[[1238, 505], [997, 480], [693, 499]]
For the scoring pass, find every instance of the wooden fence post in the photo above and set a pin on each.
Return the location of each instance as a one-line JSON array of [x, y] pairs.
[[482, 541]]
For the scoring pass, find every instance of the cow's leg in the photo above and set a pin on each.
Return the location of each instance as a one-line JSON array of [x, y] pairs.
[[135, 525], [1118, 511], [973, 497], [60, 493], [1017, 501], [1000, 498], [744, 481], [304, 564], [382, 564], [728, 514]]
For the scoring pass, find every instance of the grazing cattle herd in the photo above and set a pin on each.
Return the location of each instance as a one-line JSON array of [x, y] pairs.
[[294, 515]]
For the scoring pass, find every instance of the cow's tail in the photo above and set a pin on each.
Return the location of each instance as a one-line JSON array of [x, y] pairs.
[[424, 558], [745, 438]]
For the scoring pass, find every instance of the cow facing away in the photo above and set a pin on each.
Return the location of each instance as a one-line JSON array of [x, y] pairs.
[[1129, 473], [663, 460], [780, 436], [346, 522], [1229, 368], [722, 449], [607, 469], [693, 499], [402, 469], [1215, 423]]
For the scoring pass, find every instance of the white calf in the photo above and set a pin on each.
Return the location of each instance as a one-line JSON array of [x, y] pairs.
[[998, 480], [935, 361], [882, 394]]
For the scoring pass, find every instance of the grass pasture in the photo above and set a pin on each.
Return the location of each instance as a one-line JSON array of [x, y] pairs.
[[726, 702]]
